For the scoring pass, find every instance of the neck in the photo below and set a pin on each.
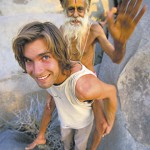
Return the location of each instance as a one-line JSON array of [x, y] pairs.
[[76, 66], [63, 77]]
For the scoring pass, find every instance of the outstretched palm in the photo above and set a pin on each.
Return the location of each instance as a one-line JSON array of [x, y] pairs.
[[126, 21]]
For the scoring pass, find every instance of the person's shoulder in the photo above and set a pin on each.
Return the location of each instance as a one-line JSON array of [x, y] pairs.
[[95, 26], [85, 85], [76, 66]]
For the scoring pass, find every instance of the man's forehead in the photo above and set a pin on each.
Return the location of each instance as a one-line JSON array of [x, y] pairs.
[[75, 2]]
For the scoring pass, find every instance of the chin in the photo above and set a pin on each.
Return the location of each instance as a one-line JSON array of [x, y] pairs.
[[44, 86]]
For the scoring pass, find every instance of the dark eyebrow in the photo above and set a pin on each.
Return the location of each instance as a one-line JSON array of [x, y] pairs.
[[71, 7], [42, 54], [25, 58]]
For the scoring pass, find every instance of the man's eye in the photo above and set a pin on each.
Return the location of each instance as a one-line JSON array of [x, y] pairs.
[[27, 60], [80, 9], [46, 57], [71, 9]]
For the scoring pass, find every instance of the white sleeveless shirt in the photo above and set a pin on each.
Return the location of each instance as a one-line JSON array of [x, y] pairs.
[[71, 112]]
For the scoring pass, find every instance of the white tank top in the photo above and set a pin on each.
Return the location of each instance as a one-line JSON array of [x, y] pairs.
[[71, 112]]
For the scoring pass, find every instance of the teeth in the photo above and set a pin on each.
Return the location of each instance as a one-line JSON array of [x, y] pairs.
[[41, 78]]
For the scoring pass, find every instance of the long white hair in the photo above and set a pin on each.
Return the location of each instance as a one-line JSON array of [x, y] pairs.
[[75, 32]]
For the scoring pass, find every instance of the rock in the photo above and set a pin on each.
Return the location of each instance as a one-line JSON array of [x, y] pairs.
[[134, 93], [13, 140]]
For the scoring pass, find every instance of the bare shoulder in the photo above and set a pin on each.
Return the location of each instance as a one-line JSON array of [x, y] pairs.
[[96, 29], [85, 85], [76, 66], [89, 87], [95, 26]]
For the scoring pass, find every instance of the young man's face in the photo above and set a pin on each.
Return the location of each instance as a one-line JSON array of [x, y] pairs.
[[40, 64], [75, 9]]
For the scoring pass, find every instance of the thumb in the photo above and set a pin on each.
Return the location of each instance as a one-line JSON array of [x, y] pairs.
[[110, 16]]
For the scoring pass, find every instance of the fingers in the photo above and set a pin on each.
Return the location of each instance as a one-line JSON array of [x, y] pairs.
[[130, 10], [107, 131], [31, 146], [139, 16], [134, 9], [123, 6], [35, 143], [103, 135], [130, 6]]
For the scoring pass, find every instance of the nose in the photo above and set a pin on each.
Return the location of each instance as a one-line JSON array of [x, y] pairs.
[[37, 68], [75, 14]]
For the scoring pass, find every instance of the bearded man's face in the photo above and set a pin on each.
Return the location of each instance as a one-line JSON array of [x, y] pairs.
[[76, 21]]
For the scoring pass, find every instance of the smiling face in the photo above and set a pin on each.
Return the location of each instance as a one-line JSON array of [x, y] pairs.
[[41, 65]]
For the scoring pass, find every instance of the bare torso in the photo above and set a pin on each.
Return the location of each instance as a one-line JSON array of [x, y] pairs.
[[96, 33]]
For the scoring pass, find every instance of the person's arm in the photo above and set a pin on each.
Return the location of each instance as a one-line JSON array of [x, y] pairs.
[[47, 114], [95, 89], [48, 110], [120, 29]]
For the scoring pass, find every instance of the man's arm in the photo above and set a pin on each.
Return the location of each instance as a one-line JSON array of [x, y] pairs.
[[48, 110], [121, 28], [95, 89]]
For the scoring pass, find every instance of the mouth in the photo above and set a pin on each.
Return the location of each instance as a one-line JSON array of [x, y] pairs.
[[75, 22], [43, 77]]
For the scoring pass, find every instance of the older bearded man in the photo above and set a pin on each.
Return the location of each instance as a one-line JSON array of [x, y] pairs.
[[74, 30], [81, 35]]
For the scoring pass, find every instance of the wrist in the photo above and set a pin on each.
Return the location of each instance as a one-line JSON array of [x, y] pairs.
[[119, 46]]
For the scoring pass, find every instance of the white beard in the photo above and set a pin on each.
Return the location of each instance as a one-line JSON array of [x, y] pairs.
[[75, 32]]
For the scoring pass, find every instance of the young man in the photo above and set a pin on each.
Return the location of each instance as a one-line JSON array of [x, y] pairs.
[[41, 51], [81, 35]]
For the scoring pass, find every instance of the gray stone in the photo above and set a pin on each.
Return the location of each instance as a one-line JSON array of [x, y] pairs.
[[134, 92], [15, 7], [13, 140]]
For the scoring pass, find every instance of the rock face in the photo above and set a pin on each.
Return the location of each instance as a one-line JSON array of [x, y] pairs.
[[134, 93], [132, 77]]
